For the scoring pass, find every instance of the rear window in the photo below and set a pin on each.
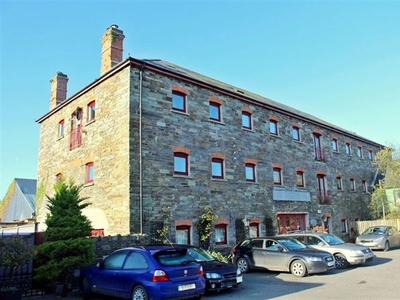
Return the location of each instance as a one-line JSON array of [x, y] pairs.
[[174, 258]]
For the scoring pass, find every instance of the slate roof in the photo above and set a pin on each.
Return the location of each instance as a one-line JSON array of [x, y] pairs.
[[21, 202]]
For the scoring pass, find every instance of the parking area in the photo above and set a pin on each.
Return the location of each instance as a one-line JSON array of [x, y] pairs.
[[378, 279]]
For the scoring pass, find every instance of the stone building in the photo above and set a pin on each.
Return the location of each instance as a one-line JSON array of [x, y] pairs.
[[156, 144]]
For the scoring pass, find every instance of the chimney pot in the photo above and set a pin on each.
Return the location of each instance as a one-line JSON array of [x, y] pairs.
[[58, 91], [112, 48]]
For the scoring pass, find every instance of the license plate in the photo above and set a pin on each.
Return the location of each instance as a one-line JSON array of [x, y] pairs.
[[239, 279], [186, 287], [331, 263]]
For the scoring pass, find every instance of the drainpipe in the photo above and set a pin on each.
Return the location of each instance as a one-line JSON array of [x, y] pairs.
[[140, 152]]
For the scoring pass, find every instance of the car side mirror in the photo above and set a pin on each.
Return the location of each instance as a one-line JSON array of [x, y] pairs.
[[100, 265]]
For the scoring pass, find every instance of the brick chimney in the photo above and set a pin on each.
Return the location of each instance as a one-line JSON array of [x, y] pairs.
[[112, 48], [58, 89]]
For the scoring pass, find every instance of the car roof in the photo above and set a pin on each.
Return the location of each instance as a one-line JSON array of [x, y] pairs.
[[307, 233]]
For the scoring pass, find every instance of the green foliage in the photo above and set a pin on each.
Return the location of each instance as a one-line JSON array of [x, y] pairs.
[[15, 251], [67, 246], [219, 256], [205, 222], [378, 205]]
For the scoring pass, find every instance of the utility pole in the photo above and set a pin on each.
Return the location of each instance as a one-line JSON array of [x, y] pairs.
[[382, 194]]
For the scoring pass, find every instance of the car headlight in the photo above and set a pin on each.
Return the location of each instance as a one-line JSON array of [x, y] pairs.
[[357, 252], [213, 276], [315, 258]]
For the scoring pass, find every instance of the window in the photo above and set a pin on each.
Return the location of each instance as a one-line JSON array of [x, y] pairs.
[[61, 128], [296, 133], [339, 182], [300, 178], [91, 111], [246, 120], [334, 144], [364, 186], [370, 155], [217, 168], [215, 111], [220, 234], [89, 172], [348, 148], [254, 230], [181, 163], [352, 185], [323, 195], [76, 129], [178, 101], [277, 173], [250, 172], [135, 261], [273, 127], [318, 151], [359, 152], [183, 234], [343, 225]]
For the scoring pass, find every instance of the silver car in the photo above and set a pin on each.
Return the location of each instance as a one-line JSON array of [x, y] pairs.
[[345, 253], [379, 238]]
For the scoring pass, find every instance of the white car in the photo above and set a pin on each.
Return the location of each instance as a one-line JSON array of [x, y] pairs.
[[345, 253], [380, 238]]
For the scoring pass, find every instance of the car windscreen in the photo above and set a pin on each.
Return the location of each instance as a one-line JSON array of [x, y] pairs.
[[200, 255], [174, 257], [332, 239], [292, 244], [375, 230]]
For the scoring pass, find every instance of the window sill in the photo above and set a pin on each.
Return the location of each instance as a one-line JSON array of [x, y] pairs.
[[60, 137], [180, 112], [218, 179], [247, 129], [182, 176], [216, 122], [90, 122], [274, 135], [88, 184]]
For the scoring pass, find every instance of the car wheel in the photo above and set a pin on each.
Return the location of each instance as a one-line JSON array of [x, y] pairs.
[[139, 293], [243, 265], [387, 246], [86, 289], [340, 261], [298, 268]]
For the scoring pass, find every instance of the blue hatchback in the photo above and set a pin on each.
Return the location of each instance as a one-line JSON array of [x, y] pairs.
[[148, 272]]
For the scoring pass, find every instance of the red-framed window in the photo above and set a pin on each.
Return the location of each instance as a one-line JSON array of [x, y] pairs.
[[254, 230], [352, 185], [181, 163], [246, 120], [335, 145], [347, 148], [250, 172], [89, 176], [215, 111], [296, 133], [291, 222], [76, 129], [360, 152], [300, 178], [178, 101], [370, 155], [61, 128], [364, 186], [318, 151], [277, 174], [273, 127], [97, 232], [91, 111], [182, 233], [339, 185], [217, 168], [221, 234]]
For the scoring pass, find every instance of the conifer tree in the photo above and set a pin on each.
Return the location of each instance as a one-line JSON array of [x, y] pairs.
[[66, 244]]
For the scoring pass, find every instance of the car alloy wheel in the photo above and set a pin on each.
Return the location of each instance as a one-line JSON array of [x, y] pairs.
[[298, 268], [139, 293], [243, 265], [340, 261]]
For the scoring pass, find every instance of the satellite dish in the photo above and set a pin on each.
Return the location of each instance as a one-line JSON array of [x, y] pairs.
[[313, 222]]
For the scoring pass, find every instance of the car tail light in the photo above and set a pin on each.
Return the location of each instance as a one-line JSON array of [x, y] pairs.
[[201, 273], [159, 275], [233, 249]]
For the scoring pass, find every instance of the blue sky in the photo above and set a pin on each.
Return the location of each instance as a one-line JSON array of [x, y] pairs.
[[337, 60]]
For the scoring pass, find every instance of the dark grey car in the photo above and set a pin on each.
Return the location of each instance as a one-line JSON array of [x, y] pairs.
[[281, 254]]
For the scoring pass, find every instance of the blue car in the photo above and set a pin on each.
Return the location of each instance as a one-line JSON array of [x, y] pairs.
[[147, 272]]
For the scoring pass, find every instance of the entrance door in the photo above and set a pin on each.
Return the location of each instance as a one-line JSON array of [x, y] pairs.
[[291, 222]]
